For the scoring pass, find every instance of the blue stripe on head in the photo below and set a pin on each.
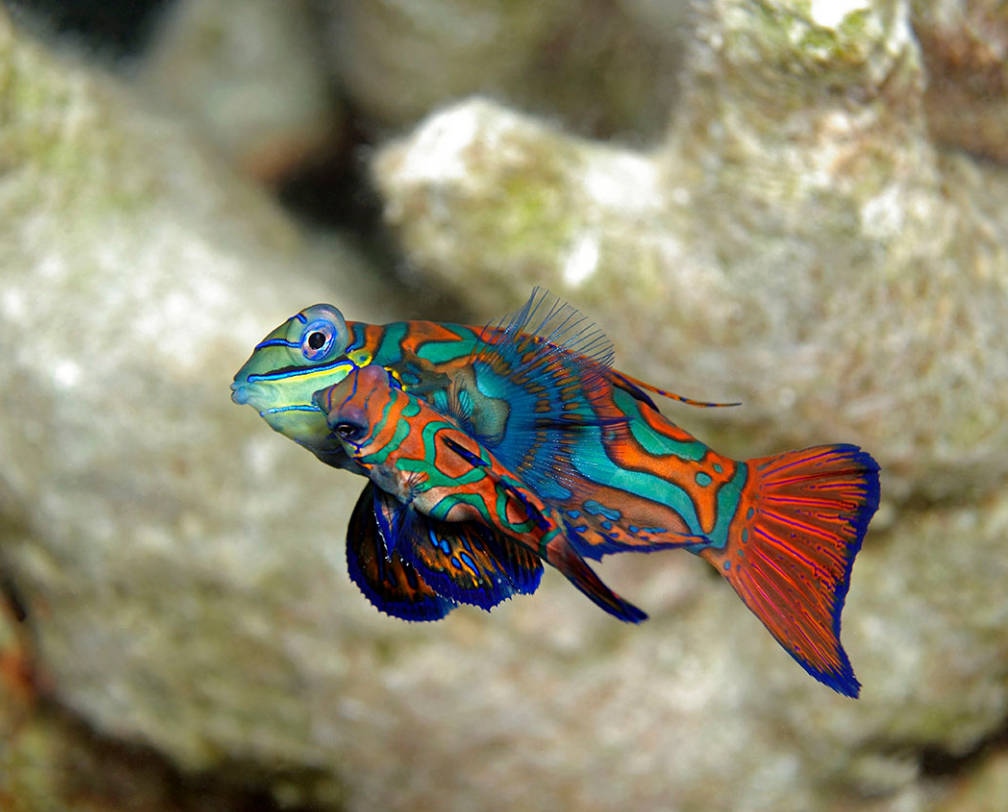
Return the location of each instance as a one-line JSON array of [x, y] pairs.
[[277, 342]]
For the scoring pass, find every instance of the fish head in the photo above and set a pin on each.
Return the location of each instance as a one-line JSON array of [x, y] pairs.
[[379, 426], [303, 355], [358, 409]]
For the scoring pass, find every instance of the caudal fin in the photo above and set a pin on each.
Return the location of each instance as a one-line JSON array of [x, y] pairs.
[[791, 546]]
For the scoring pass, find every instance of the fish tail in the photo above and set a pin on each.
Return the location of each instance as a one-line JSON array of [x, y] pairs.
[[790, 548], [562, 556]]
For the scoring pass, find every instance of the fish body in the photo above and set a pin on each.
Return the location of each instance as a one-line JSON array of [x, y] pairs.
[[430, 465], [533, 411]]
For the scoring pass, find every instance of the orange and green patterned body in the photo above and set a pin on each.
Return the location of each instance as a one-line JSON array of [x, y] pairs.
[[538, 403]]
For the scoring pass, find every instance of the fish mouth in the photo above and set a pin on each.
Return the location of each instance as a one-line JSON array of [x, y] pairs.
[[240, 393]]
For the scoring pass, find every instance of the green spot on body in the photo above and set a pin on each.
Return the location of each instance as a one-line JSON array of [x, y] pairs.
[[702, 479]]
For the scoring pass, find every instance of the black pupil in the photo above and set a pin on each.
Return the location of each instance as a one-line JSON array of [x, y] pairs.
[[316, 340], [347, 430]]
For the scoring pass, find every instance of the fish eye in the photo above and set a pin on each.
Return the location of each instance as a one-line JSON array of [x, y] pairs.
[[317, 339], [319, 332], [350, 431]]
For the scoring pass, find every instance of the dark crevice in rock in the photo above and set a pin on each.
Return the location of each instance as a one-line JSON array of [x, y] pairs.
[[333, 191], [10, 598], [937, 761], [118, 28]]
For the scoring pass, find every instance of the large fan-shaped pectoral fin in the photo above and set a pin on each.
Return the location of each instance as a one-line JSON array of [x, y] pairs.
[[392, 583]]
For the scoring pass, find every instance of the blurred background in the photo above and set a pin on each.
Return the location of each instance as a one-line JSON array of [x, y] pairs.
[[799, 204]]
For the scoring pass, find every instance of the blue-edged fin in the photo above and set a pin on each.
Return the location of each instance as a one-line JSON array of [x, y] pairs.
[[465, 562], [791, 548], [585, 579], [392, 584], [560, 553]]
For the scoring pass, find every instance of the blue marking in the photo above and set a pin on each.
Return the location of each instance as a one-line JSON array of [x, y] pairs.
[[445, 547], [277, 342], [331, 366], [300, 318], [456, 563], [633, 529], [727, 565], [749, 513], [300, 407], [597, 509], [468, 561], [702, 479], [607, 525], [717, 467], [574, 514]]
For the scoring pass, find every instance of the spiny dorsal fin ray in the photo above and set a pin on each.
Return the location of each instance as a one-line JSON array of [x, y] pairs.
[[637, 384], [535, 382]]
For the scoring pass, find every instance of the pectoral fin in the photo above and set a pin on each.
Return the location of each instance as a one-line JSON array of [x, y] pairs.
[[392, 584], [465, 562]]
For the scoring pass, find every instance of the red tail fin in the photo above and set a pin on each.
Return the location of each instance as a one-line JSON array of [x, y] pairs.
[[791, 547]]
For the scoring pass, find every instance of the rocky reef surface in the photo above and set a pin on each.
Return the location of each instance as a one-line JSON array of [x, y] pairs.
[[808, 230]]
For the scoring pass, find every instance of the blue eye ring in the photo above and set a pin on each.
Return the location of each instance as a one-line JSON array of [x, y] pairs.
[[317, 339]]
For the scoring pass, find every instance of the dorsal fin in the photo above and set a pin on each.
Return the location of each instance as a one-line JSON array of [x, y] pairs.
[[534, 383], [635, 386], [546, 330]]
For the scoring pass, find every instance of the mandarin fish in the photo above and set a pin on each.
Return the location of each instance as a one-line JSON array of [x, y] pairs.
[[569, 447]]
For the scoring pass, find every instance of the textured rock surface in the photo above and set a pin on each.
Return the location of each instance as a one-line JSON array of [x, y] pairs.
[[399, 60], [965, 46], [797, 242], [250, 75]]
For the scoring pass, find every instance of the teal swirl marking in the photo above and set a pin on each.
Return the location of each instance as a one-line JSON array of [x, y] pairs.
[[651, 441], [402, 430], [443, 352], [440, 511], [596, 466], [728, 497]]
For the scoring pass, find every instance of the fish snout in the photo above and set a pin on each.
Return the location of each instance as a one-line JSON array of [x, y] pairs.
[[239, 392]]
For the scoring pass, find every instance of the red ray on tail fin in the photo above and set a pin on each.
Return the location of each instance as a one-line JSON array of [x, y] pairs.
[[800, 522]]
